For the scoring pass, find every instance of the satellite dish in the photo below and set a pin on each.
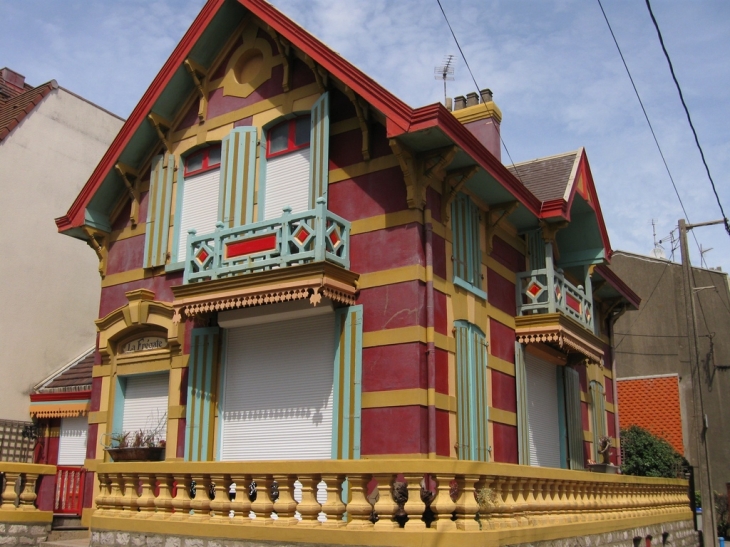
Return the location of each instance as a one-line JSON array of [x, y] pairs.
[[658, 252]]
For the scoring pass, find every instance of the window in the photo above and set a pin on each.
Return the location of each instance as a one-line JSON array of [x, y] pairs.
[[287, 167], [467, 256], [471, 392], [598, 398], [197, 198]]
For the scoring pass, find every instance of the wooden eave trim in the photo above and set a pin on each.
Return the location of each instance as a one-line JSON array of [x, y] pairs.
[[75, 215], [558, 324], [63, 396], [617, 283]]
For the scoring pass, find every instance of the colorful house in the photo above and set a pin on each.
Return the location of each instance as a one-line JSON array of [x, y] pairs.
[[300, 271]]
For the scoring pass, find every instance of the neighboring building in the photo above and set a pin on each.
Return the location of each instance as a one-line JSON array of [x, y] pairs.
[[652, 357], [297, 265], [50, 141]]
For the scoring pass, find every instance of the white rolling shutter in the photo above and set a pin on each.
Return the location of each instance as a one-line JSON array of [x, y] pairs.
[[278, 390], [542, 412], [287, 183], [72, 441], [199, 207], [145, 403]]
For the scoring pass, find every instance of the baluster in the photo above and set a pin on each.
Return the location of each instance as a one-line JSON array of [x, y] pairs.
[[115, 494], [358, 508], [563, 503], [531, 513], [386, 506], [333, 507], [200, 504], [9, 497], [241, 506], [163, 501], [146, 500], [220, 504], [181, 502], [285, 505], [309, 507], [285, 235], [128, 485], [500, 512], [536, 503], [28, 496], [466, 505], [263, 506], [414, 507], [321, 229], [101, 498], [549, 500], [581, 505]]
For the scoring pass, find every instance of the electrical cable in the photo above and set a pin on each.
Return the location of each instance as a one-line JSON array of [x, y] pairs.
[[689, 118], [473, 79]]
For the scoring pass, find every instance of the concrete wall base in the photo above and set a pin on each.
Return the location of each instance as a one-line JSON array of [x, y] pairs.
[[28, 533]]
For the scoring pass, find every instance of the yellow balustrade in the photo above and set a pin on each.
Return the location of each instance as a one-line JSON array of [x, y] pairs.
[[466, 498], [18, 498]]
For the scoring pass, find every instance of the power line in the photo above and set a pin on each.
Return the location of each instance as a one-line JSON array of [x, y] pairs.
[[473, 79], [689, 118]]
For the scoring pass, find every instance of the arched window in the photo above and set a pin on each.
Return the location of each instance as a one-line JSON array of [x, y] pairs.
[[287, 167]]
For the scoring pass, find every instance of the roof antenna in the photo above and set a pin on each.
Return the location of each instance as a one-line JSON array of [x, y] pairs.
[[658, 251], [702, 255], [445, 72]]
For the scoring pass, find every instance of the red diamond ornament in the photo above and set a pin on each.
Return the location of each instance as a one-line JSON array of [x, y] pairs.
[[202, 256], [534, 289]]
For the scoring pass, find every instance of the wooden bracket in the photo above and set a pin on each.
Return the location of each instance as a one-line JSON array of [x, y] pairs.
[[320, 74], [198, 74], [453, 183], [549, 231], [160, 123], [362, 109], [415, 188], [505, 210], [436, 162], [97, 241], [127, 173], [285, 50]]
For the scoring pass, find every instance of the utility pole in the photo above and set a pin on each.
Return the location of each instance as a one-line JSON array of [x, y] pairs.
[[702, 456]]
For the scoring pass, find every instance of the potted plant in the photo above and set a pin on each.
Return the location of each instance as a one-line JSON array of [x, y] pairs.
[[604, 450], [141, 445]]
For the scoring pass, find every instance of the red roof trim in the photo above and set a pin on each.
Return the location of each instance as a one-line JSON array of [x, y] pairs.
[[617, 283], [60, 396], [75, 215], [596, 205]]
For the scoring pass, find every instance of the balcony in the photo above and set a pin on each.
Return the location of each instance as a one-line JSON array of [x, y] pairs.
[[293, 257], [550, 309], [375, 502], [292, 239]]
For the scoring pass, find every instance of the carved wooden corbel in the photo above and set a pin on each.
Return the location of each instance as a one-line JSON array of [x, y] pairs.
[[285, 50], [453, 183], [97, 241], [320, 74], [549, 231], [362, 110], [198, 73], [127, 173], [162, 126], [415, 188], [504, 210], [436, 162]]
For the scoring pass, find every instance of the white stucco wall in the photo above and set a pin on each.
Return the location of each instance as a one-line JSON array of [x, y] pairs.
[[49, 283]]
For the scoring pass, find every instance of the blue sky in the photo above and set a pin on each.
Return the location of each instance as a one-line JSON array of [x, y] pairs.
[[552, 65]]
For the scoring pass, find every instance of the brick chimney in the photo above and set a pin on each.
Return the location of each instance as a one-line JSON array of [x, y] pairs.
[[12, 84], [482, 117]]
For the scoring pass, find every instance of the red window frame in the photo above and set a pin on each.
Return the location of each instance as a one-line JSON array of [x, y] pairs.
[[206, 165], [291, 145]]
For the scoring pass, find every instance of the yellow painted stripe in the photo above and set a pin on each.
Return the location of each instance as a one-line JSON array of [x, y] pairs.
[[608, 373], [610, 407], [344, 126], [101, 370], [128, 231], [492, 264], [363, 168], [405, 335], [391, 277], [504, 318], [502, 416], [131, 275], [388, 220], [501, 365], [406, 397], [176, 411], [98, 417]]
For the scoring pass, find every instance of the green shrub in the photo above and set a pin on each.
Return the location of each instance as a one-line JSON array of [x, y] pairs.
[[647, 455]]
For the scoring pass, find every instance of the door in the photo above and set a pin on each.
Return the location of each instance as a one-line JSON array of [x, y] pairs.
[[542, 412]]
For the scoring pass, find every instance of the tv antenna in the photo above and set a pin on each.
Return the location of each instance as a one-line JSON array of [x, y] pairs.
[[445, 72], [658, 251]]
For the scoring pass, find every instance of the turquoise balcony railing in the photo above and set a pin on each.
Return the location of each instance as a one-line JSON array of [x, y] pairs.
[[311, 236], [547, 291]]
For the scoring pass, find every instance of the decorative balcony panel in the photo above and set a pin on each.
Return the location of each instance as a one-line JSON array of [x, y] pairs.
[[292, 239], [547, 291]]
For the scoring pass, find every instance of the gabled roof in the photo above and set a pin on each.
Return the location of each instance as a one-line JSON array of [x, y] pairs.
[[197, 41], [72, 377], [547, 178], [13, 110]]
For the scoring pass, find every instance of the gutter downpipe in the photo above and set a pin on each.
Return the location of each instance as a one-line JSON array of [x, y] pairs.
[[430, 333], [611, 322]]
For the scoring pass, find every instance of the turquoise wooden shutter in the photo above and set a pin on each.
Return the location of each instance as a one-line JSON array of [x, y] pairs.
[[599, 415], [562, 424], [347, 384], [238, 171], [574, 421], [523, 432], [202, 380], [471, 394], [319, 144], [158, 211], [466, 251]]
